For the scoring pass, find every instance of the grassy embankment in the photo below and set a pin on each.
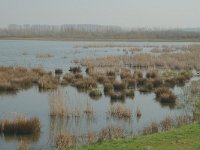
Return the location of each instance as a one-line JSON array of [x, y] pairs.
[[184, 138]]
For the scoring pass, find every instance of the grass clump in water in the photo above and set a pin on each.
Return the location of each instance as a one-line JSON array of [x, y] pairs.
[[95, 93], [119, 86], [165, 95], [20, 126], [120, 111]]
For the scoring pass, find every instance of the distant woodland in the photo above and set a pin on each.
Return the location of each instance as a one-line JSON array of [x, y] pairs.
[[95, 32]]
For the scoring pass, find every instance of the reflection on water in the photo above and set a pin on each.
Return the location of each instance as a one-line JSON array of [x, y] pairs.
[[27, 138]]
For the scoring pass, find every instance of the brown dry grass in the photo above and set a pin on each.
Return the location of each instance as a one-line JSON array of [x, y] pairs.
[[20, 126], [186, 59], [17, 78], [120, 111], [57, 104], [65, 140]]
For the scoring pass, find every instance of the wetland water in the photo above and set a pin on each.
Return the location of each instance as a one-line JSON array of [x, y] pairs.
[[32, 102]]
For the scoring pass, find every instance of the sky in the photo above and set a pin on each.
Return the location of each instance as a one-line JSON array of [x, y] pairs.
[[125, 13]]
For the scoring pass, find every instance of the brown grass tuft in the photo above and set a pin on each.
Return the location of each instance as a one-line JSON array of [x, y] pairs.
[[20, 126], [120, 111]]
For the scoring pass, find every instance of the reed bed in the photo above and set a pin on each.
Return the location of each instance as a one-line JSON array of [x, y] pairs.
[[20, 126], [57, 104], [110, 133], [119, 86], [95, 93], [165, 95], [117, 95], [167, 124], [130, 93], [67, 79], [131, 83], [65, 140], [59, 108], [120, 111], [13, 79], [48, 82], [75, 69], [108, 87], [85, 83], [186, 59]]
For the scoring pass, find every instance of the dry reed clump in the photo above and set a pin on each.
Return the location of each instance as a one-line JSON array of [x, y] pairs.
[[109, 133], [5, 86], [194, 87], [48, 82], [151, 74], [20, 126], [164, 95], [138, 74], [120, 111], [167, 124], [78, 76], [125, 75], [142, 82], [187, 59], [57, 104], [147, 87], [95, 93], [85, 83], [196, 112], [117, 95], [39, 71], [101, 78], [16, 78], [67, 79], [170, 82], [130, 93], [152, 128], [13, 79], [108, 87], [183, 76], [131, 83], [157, 82], [119, 86], [110, 73], [91, 137], [75, 69], [184, 119], [65, 140]]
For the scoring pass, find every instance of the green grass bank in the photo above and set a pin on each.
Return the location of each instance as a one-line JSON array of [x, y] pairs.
[[183, 138]]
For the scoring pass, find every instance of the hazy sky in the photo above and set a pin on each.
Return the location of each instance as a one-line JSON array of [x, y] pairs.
[[126, 13]]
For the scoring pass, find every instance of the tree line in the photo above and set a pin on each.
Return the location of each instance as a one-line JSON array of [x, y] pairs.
[[90, 31]]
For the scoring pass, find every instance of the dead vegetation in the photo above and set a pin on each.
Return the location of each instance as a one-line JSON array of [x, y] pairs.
[[13, 79], [120, 111], [20, 126], [186, 59]]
